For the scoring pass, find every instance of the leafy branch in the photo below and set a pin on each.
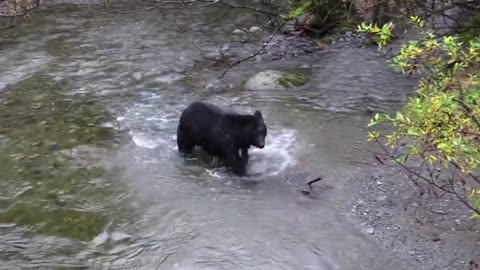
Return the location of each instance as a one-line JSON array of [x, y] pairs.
[[441, 124]]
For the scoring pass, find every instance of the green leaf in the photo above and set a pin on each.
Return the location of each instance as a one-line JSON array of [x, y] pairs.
[[412, 132], [400, 116]]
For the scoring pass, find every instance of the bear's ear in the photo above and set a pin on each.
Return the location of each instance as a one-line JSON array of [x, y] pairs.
[[258, 114]]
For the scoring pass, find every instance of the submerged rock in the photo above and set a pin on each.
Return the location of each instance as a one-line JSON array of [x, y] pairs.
[[106, 237], [119, 236], [265, 80], [274, 79]]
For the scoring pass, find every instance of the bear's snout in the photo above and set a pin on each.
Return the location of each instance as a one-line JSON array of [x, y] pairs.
[[260, 144]]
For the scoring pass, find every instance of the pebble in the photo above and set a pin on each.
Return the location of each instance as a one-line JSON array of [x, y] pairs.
[[237, 31], [369, 231], [60, 202], [137, 76], [382, 198], [100, 239], [254, 29], [119, 236], [53, 147]]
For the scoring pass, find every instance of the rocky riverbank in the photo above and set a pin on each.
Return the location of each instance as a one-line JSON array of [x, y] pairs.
[[284, 46], [431, 233]]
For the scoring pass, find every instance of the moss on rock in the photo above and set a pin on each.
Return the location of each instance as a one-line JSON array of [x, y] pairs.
[[292, 79]]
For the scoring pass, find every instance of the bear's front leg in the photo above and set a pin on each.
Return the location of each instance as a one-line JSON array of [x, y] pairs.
[[244, 156], [237, 161]]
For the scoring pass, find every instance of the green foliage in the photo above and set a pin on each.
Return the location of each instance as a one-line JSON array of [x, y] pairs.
[[442, 123], [299, 8], [321, 14], [383, 35]]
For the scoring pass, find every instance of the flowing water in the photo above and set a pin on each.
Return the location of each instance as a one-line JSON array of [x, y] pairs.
[[91, 177]]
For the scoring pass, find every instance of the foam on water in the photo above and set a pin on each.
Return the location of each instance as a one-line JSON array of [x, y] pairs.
[[215, 173], [146, 140], [152, 122], [277, 155]]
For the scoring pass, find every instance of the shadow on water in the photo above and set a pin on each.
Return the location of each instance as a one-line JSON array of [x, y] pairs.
[[73, 195]]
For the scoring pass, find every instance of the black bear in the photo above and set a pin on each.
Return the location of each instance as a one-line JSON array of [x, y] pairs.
[[226, 135]]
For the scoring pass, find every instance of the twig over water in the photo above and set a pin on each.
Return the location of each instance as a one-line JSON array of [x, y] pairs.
[[309, 183], [265, 44]]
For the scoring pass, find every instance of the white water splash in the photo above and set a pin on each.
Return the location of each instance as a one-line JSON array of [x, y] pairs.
[[215, 173], [146, 141], [277, 155], [151, 122]]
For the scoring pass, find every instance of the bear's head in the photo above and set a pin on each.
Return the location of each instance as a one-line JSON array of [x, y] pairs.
[[258, 132]]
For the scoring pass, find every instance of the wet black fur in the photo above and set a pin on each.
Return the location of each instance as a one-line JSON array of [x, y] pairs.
[[223, 134]]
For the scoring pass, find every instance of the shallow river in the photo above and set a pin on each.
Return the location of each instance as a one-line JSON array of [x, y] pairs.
[[91, 178]]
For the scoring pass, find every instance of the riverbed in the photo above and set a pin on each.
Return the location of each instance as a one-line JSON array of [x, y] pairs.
[[91, 177]]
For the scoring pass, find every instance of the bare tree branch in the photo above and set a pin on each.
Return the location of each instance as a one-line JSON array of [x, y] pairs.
[[258, 52]]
